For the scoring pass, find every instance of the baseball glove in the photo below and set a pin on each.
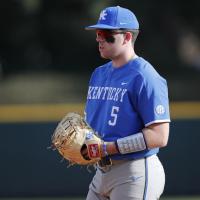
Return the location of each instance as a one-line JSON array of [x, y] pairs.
[[73, 136]]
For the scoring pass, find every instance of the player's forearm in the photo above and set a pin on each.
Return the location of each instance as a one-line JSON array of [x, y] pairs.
[[155, 135]]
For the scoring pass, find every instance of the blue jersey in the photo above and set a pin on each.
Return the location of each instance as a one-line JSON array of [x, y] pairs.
[[122, 101]]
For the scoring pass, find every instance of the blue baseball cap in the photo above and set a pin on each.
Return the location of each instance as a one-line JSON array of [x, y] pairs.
[[116, 18]]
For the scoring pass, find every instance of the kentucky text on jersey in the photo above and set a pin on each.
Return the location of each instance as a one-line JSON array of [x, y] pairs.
[[106, 93]]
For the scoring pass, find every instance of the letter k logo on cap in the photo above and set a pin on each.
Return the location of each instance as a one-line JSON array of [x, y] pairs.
[[103, 15]]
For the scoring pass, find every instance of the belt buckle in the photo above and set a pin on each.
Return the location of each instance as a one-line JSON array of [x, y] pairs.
[[105, 162]]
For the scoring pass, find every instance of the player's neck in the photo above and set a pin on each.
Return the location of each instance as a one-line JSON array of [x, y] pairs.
[[123, 58]]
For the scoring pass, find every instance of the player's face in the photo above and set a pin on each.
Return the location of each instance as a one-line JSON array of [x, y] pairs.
[[110, 43]]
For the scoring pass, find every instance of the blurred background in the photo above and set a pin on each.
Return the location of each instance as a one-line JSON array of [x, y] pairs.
[[46, 59]]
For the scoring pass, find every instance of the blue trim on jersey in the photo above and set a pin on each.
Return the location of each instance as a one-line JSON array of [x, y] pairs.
[[121, 101]]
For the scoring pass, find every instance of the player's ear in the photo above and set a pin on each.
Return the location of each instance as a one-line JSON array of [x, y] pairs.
[[128, 37]]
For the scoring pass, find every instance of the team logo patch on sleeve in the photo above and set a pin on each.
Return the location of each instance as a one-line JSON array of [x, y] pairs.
[[160, 109]]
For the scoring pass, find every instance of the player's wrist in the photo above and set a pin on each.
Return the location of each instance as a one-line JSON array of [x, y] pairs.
[[104, 149], [109, 148]]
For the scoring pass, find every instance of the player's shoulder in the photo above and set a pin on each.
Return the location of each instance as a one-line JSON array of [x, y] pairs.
[[100, 71], [142, 66], [145, 69], [103, 68], [146, 74]]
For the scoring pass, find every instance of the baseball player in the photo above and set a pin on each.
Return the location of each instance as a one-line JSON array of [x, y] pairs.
[[127, 105]]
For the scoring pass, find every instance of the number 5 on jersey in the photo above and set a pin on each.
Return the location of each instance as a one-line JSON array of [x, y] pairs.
[[114, 112]]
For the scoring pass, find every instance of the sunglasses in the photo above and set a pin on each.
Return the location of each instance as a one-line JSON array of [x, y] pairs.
[[108, 35]]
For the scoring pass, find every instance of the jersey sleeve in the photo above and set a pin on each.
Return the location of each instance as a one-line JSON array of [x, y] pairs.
[[152, 100]]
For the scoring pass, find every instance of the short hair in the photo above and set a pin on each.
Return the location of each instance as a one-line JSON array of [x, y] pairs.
[[135, 35], [134, 32]]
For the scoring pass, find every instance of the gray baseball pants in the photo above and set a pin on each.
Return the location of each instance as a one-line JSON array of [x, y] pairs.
[[141, 179]]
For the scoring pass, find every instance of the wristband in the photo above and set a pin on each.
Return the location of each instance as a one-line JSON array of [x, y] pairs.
[[132, 143], [104, 149]]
